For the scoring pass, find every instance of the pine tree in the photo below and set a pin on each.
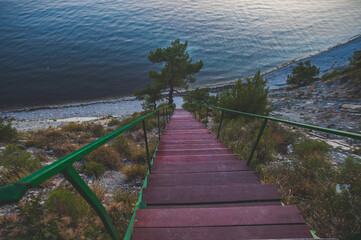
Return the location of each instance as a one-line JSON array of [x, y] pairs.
[[177, 70]]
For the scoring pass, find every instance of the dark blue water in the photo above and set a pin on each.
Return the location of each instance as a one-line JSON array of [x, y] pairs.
[[62, 51]]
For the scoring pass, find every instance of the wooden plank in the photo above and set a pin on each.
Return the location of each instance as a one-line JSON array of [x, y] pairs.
[[190, 146], [205, 151], [218, 205], [210, 194], [197, 167], [195, 158], [203, 179], [189, 137], [186, 131], [207, 217], [229, 233], [189, 141]]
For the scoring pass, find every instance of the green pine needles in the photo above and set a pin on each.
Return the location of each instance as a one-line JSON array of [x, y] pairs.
[[303, 75], [177, 71]]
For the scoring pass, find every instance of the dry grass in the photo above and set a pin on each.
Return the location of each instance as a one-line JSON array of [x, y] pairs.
[[106, 155], [135, 172]]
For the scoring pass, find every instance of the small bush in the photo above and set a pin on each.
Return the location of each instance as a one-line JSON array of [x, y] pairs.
[[32, 224], [121, 211], [114, 122], [98, 190], [97, 130], [350, 174], [137, 154], [304, 74], [125, 197], [107, 156], [64, 149], [121, 144], [7, 133], [135, 171], [17, 164], [64, 203], [310, 147], [192, 99], [250, 97], [73, 127], [94, 168], [47, 138]]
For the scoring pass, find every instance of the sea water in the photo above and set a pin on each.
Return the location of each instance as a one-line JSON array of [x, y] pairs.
[[56, 51]]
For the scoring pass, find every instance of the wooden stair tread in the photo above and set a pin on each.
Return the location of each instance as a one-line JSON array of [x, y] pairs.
[[229, 233], [197, 167], [211, 217], [193, 179], [210, 194]]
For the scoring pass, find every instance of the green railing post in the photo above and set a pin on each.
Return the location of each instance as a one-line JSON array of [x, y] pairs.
[[158, 127], [78, 183], [207, 116], [257, 140], [146, 144], [220, 125], [199, 111], [164, 117]]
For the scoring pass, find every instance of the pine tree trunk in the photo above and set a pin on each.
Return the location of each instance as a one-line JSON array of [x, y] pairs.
[[171, 94]]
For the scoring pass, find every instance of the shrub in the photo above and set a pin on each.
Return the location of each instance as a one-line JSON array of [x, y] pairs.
[[73, 127], [250, 97], [32, 224], [125, 197], [135, 171], [121, 144], [107, 156], [192, 99], [137, 154], [64, 149], [45, 138], [303, 74], [64, 203], [350, 175], [17, 164], [7, 133], [121, 211], [309, 147], [94, 168], [99, 191], [114, 122], [240, 136], [97, 130]]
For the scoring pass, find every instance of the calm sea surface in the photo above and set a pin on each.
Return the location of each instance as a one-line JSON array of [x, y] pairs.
[[54, 51]]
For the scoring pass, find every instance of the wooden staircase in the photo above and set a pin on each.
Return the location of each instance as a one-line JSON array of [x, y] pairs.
[[198, 189]]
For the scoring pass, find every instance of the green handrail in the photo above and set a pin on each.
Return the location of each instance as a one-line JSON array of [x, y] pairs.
[[266, 118], [12, 193]]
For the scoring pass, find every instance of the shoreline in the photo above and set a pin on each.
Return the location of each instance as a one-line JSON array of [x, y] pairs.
[[335, 57]]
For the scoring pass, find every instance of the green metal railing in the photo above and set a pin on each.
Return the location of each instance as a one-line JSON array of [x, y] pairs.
[[14, 192], [266, 119]]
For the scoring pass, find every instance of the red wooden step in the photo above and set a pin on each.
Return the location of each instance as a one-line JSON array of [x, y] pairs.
[[193, 179], [229, 233], [197, 167], [218, 205], [195, 158], [210, 194], [188, 136], [209, 151], [190, 141], [190, 146], [207, 217], [186, 131]]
